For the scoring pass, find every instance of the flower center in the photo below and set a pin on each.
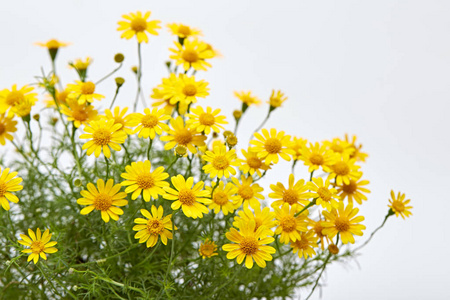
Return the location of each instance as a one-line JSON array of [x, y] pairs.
[[301, 244], [80, 115], [350, 188], [254, 162], [220, 162], [316, 159], [207, 119], [2, 189], [138, 24], [288, 223], [318, 229], [102, 202], [101, 137], [155, 226], [87, 88], [149, 121], [398, 206], [145, 181], [2, 128], [14, 98], [324, 194], [275, 102], [189, 55], [186, 197], [184, 30], [189, 90], [290, 196], [341, 168], [183, 136], [37, 246], [220, 198], [246, 192], [249, 245], [342, 224], [53, 44], [273, 145]]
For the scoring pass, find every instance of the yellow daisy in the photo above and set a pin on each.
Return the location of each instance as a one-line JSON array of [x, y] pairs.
[[9, 184], [399, 205], [52, 44], [156, 225], [222, 198], [158, 94], [272, 145], [305, 246], [103, 134], [192, 54], [353, 190], [252, 163], [247, 98], [356, 154], [220, 162], [23, 108], [140, 179], [297, 145], [262, 218], [61, 98], [276, 99], [137, 24], [119, 117], [343, 221], [83, 92], [7, 126], [187, 90], [79, 114], [105, 198], [183, 31], [316, 156], [248, 192], [323, 193], [150, 123], [344, 170], [317, 228], [339, 146], [39, 244], [295, 195], [250, 244], [80, 64], [208, 249], [181, 135], [290, 226], [13, 97], [187, 197], [204, 121]]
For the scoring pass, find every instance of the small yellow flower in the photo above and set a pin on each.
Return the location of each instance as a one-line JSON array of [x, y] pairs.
[[103, 135], [339, 146], [316, 156], [150, 123], [324, 194], [252, 163], [23, 108], [262, 218], [297, 145], [189, 198], [140, 179], [181, 135], [317, 228], [295, 195], [290, 226], [183, 31], [83, 92], [271, 145], [61, 98], [13, 97], [208, 249], [204, 121], [52, 44], [220, 162], [276, 99], [81, 64], [247, 98], [137, 24], [7, 126], [399, 205], [344, 170], [305, 246], [186, 91], [222, 198], [357, 154], [343, 221], [79, 114], [248, 192], [156, 225], [119, 118], [353, 190], [104, 198], [192, 54], [9, 184], [250, 244], [39, 244]]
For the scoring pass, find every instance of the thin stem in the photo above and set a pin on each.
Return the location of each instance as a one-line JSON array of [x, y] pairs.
[[115, 96], [139, 76], [49, 281], [172, 163], [310, 177], [107, 168], [390, 213], [262, 124], [149, 148], [109, 74], [306, 207], [320, 275]]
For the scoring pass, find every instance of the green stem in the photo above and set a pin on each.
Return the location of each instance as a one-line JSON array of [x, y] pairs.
[[115, 96], [107, 168], [320, 275], [310, 177], [390, 213], [109, 74], [139, 76], [172, 163], [306, 207], [149, 148]]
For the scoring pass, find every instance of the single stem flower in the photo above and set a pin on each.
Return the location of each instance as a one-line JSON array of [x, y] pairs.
[[39, 244], [155, 225]]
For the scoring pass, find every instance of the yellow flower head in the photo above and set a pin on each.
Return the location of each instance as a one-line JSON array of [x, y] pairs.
[[208, 249], [220, 162], [7, 126], [186, 91], [317, 228], [343, 221], [272, 145], [250, 244], [222, 198], [119, 118], [357, 154], [316, 156], [39, 244], [14, 97], [262, 218], [297, 145], [247, 98], [159, 95], [324, 194], [140, 179], [183, 31], [344, 170], [105, 198], [81, 64], [150, 123], [353, 190], [83, 92], [61, 98], [295, 195], [79, 113], [248, 192], [103, 134], [181, 135], [399, 205], [204, 121], [252, 163], [339, 146], [290, 226], [137, 24], [276, 99], [189, 198], [9, 184], [155, 225], [192, 54], [23, 108], [305, 246], [52, 44]]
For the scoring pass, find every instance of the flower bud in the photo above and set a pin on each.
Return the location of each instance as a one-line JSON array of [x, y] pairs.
[[333, 249], [237, 114], [119, 81], [36, 117], [134, 69], [119, 57], [71, 270], [180, 150], [77, 182], [227, 133], [232, 140]]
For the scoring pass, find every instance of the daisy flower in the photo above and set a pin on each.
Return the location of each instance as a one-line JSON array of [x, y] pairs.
[[344, 170], [192, 54], [317, 228], [183, 31], [248, 192], [9, 184], [323, 193], [204, 121], [305, 246], [39, 244], [61, 98], [150, 123], [297, 144], [339, 146], [7, 126], [119, 117], [137, 24], [353, 191], [295, 195], [187, 90], [290, 226], [52, 44], [356, 154], [13, 97], [83, 92], [252, 163], [399, 205], [208, 249], [220, 162], [343, 221], [155, 225], [262, 218], [317, 156], [276, 99], [247, 98], [181, 135], [271, 145], [222, 198], [79, 114], [103, 134]]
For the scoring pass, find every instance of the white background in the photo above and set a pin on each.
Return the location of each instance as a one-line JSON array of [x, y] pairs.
[[378, 69]]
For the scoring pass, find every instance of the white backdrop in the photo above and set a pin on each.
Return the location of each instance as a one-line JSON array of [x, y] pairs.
[[378, 69]]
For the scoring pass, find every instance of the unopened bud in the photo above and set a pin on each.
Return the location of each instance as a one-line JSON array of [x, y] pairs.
[[237, 114], [227, 133], [180, 150], [232, 140], [71, 270], [119, 81], [53, 121], [134, 69], [119, 57], [36, 117], [215, 135], [333, 249], [75, 288], [77, 182]]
